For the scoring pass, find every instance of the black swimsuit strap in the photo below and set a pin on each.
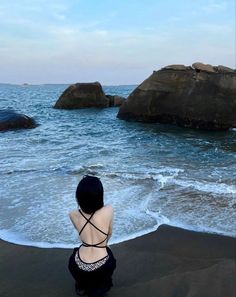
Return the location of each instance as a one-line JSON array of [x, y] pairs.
[[95, 245], [88, 221]]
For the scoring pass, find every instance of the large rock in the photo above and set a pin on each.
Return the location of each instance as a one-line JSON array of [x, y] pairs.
[[196, 97], [11, 120], [83, 95]]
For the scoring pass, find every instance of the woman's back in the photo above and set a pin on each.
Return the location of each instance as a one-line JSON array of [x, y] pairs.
[[95, 230]]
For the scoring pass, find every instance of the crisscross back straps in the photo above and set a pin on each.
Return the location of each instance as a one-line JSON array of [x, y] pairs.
[[88, 220]]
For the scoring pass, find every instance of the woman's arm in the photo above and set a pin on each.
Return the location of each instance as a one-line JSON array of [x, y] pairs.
[[111, 223], [74, 218]]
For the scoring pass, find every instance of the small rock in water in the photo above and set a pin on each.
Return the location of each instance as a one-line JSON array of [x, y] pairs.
[[10, 120], [83, 95]]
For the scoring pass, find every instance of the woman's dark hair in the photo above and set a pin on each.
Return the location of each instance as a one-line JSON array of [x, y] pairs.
[[89, 194]]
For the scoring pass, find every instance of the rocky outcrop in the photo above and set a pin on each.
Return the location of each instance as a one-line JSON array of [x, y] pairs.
[[201, 96], [83, 95], [177, 67], [10, 120], [115, 100], [223, 69], [203, 67]]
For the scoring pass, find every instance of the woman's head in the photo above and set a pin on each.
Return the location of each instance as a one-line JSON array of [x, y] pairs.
[[89, 194]]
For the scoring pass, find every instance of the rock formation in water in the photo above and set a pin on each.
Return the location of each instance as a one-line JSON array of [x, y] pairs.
[[115, 100], [84, 95], [10, 120], [201, 96]]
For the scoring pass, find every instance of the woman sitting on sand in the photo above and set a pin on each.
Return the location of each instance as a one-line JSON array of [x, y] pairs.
[[92, 264]]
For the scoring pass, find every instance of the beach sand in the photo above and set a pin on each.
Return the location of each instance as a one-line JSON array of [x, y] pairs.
[[170, 262]]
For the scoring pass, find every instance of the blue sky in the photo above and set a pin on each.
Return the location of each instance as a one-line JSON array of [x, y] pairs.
[[114, 42]]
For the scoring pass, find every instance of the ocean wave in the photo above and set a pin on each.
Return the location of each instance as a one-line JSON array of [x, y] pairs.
[[197, 228], [39, 171], [162, 175], [17, 171], [92, 169], [161, 219], [77, 170], [208, 187], [16, 238]]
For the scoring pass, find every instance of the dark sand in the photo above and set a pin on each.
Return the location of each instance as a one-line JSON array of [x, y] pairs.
[[170, 262]]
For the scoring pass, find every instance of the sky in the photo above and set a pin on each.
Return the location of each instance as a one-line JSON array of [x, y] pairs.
[[113, 42]]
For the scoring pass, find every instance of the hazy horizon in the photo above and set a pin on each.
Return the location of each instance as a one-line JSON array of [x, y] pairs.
[[115, 43]]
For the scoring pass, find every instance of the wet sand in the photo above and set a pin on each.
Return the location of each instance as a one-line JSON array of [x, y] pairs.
[[170, 262]]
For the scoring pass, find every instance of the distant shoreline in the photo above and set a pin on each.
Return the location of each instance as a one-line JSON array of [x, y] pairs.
[[66, 84]]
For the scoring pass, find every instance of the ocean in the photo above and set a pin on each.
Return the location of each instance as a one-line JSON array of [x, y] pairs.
[[152, 173]]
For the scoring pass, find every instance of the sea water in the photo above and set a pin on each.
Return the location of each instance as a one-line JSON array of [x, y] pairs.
[[152, 173]]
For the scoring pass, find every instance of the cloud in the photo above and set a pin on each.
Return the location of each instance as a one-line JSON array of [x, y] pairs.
[[215, 6], [174, 19], [59, 16], [101, 33], [32, 11], [216, 28], [67, 40]]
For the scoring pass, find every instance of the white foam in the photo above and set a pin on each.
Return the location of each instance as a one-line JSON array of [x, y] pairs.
[[133, 220], [134, 235], [161, 175], [96, 165], [17, 238], [209, 187], [197, 228], [160, 219]]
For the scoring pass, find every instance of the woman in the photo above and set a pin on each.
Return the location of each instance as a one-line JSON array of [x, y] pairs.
[[93, 263]]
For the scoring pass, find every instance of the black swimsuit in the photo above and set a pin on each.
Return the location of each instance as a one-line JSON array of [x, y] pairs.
[[97, 245], [93, 277]]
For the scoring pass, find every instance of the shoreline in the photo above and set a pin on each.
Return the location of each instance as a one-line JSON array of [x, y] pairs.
[[46, 245], [167, 262]]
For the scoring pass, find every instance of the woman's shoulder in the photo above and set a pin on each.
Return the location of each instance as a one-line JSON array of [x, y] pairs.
[[73, 213], [107, 210]]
